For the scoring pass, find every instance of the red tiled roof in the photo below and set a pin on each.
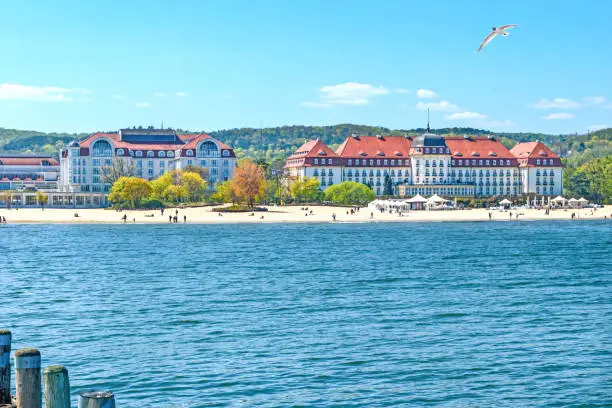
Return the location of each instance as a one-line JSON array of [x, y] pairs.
[[27, 161], [481, 147], [370, 146], [313, 148], [533, 150], [189, 141]]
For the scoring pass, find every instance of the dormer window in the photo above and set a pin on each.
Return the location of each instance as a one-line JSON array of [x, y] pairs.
[[316, 161], [161, 154], [138, 153], [189, 153], [120, 152], [225, 153], [427, 150], [170, 154], [150, 154]]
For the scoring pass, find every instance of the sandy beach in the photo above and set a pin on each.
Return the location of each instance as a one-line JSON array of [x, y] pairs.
[[286, 214]]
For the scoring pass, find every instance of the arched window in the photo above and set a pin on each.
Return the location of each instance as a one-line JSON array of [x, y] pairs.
[[170, 154], [150, 154], [226, 153], [101, 148], [120, 152], [189, 153], [138, 153], [161, 154], [208, 149]]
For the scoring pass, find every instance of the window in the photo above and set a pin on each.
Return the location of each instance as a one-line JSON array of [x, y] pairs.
[[213, 163], [150, 154], [495, 162], [202, 163], [225, 163], [378, 162], [189, 162], [427, 150], [95, 162], [385, 162], [150, 164], [550, 162], [120, 152], [538, 161], [480, 162], [507, 162], [208, 149], [226, 153], [170, 154], [441, 163], [161, 154], [371, 162], [350, 162], [102, 148], [407, 162], [162, 164], [189, 153], [139, 153], [473, 162], [316, 161]]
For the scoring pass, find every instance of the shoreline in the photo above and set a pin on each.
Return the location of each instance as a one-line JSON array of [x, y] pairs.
[[289, 215]]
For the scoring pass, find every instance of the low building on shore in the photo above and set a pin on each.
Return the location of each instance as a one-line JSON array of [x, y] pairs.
[[431, 164]]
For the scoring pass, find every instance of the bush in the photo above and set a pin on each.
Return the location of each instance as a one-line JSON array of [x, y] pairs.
[[151, 204], [239, 208]]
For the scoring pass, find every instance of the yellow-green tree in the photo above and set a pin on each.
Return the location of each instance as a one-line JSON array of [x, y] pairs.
[[194, 184], [42, 199], [161, 184], [7, 197], [131, 190], [225, 193], [175, 194], [306, 190], [248, 182]]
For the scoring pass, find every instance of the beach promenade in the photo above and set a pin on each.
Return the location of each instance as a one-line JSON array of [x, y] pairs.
[[288, 214]]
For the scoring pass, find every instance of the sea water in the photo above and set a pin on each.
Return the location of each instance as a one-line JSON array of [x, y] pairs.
[[482, 314]]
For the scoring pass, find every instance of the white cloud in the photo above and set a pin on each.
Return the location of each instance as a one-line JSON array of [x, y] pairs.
[[556, 103], [142, 105], [160, 94], [39, 93], [595, 100], [561, 115], [442, 106], [351, 93], [181, 94], [426, 94], [594, 128], [465, 115], [316, 105]]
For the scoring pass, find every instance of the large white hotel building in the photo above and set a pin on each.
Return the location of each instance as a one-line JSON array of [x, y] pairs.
[[431, 164]]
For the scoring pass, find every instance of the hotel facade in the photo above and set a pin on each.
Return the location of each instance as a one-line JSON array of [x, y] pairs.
[[77, 180], [431, 164]]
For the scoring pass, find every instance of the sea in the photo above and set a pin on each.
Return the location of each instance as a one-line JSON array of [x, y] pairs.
[[471, 314]]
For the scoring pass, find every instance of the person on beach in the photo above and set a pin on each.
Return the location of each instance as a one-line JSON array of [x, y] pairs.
[[162, 212], [490, 215], [169, 218], [333, 216], [510, 215], [185, 219]]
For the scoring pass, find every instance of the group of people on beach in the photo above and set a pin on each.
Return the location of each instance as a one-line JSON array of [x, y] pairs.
[[3, 220]]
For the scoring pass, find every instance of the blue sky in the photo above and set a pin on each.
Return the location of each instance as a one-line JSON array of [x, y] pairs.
[[80, 66]]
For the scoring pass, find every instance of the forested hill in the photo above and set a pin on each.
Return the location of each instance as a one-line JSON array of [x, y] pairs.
[[279, 142]]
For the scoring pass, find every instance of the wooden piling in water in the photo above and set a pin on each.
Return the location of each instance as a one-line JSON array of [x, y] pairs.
[[56, 387], [27, 378], [96, 399], [5, 366]]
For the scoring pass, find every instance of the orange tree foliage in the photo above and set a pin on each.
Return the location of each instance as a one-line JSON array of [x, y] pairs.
[[249, 182]]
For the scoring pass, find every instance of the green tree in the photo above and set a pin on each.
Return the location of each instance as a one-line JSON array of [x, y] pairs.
[[388, 186], [349, 193], [306, 190]]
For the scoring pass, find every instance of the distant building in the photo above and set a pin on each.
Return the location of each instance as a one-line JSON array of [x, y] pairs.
[[541, 169], [150, 152], [429, 164], [26, 174]]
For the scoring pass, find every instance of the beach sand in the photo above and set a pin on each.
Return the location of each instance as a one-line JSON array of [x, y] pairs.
[[285, 214]]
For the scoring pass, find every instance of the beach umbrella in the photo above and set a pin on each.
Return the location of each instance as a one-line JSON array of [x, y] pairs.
[[583, 200], [559, 199], [505, 201], [436, 199], [417, 199]]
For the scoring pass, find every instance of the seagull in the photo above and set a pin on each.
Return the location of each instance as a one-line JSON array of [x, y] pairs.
[[496, 30]]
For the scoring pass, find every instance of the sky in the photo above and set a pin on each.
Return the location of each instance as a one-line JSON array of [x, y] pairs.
[[85, 66]]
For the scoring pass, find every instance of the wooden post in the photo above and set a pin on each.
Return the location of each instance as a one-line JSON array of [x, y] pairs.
[[96, 399], [27, 378], [56, 387], [5, 366]]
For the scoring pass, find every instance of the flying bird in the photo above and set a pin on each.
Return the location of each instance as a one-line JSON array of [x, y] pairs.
[[496, 30]]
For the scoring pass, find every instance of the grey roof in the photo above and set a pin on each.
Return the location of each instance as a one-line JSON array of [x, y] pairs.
[[429, 140]]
